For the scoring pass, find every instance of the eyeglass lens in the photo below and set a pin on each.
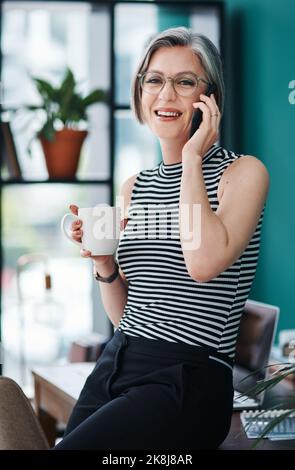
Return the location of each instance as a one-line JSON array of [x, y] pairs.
[[184, 84]]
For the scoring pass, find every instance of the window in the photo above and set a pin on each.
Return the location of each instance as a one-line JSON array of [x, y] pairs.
[[40, 39], [136, 148]]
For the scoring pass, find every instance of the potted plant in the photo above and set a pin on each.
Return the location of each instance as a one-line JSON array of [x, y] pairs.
[[280, 372], [63, 110]]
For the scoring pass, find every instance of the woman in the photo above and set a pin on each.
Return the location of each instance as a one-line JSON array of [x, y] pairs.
[[164, 381]]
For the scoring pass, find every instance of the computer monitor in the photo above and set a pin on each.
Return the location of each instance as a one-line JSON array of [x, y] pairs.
[[254, 344]]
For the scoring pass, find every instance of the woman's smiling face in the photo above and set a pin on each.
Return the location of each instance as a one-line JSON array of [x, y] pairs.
[[170, 61]]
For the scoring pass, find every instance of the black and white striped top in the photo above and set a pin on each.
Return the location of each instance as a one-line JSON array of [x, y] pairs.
[[164, 302]]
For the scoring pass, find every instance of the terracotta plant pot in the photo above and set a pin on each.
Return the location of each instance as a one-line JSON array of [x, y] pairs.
[[62, 154]]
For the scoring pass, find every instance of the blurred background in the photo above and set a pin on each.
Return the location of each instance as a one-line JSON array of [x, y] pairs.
[[101, 42]]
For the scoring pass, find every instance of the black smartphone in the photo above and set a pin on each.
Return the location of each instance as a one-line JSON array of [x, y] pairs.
[[197, 117]]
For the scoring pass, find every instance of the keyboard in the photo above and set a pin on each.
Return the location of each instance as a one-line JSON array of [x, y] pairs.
[[254, 423], [244, 402]]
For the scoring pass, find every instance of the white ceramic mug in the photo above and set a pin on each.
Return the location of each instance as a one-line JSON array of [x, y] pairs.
[[100, 226]]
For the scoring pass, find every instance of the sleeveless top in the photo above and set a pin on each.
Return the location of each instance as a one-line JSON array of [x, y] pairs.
[[164, 302]]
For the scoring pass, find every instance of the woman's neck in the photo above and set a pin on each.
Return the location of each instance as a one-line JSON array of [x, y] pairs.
[[171, 151]]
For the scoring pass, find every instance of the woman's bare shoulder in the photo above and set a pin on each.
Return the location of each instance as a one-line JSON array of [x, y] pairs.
[[126, 192], [128, 184], [245, 168], [247, 163]]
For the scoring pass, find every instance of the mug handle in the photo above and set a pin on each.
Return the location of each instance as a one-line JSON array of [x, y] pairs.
[[63, 229]]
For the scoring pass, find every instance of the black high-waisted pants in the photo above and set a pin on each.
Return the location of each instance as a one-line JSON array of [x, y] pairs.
[[153, 394]]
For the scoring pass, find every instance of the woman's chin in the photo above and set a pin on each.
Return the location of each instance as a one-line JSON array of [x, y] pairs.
[[166, 132]]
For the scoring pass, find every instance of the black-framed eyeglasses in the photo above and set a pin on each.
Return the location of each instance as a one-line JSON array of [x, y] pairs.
[[184, 83]]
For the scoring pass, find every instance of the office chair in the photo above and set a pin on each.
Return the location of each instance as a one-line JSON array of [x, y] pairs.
[[19, 426]]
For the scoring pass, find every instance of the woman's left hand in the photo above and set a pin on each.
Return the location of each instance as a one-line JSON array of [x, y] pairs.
[[207, 134]]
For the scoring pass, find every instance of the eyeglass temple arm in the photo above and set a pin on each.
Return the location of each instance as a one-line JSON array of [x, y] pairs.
[[205, 81]]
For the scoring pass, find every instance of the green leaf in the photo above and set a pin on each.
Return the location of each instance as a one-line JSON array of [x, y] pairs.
[[284, 369], [46, 90], [266, 384], [34, 107], [48, 131], [71, 109], [95, 96], [68, 84], [270, 426]]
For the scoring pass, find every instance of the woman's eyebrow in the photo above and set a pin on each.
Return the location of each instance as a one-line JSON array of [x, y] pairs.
[[182, 71]]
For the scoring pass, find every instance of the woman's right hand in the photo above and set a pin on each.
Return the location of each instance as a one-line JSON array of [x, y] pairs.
[[102, 262]]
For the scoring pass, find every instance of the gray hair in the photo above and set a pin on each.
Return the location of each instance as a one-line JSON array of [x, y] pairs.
[[201, 46]]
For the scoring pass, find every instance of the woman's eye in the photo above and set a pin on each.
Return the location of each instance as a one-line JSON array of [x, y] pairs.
[[154, 80], [186, 83]]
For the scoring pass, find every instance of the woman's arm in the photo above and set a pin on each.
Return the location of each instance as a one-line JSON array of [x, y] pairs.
[[114, 294], [225, 233]]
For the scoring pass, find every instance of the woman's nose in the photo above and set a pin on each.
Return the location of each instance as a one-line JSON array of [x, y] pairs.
[[167, 90]]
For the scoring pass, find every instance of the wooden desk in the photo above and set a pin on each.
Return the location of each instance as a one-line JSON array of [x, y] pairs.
[[57, 389]]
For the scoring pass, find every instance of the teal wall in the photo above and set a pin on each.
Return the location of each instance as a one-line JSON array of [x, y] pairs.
[[260, 120], [260, 63]]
